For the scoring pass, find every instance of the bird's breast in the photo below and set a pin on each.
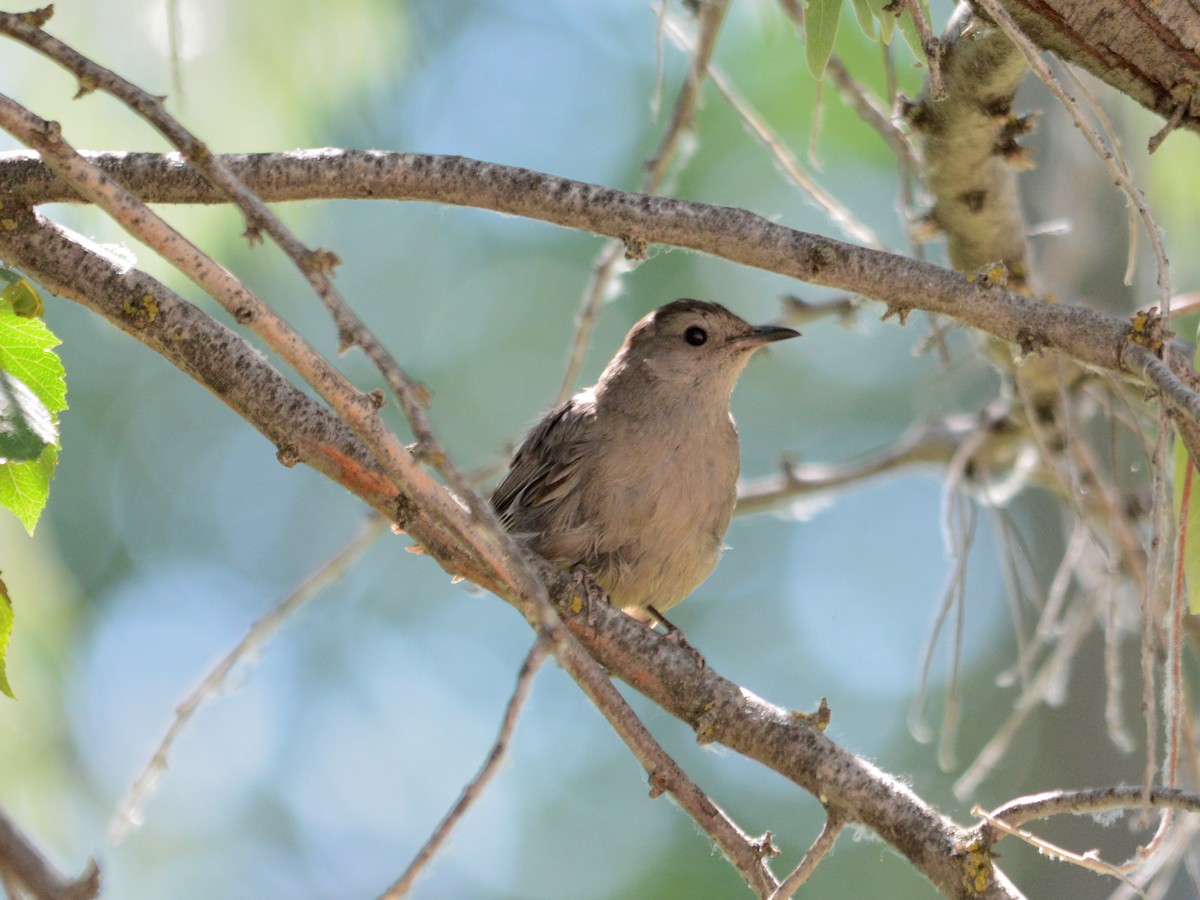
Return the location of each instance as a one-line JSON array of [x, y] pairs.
[[667, 496]]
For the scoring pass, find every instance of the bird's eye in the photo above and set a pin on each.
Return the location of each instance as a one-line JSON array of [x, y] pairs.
[[695, 335]]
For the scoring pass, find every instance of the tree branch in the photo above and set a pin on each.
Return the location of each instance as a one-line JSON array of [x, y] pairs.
[[306, 431], [474, 788], [21, 862], [849, 787], [968, 144], [927, 443], [1089, 337], [1056, 803], [664, 672], [129, 813], [612, 261], [819, 849], [1144, 50]]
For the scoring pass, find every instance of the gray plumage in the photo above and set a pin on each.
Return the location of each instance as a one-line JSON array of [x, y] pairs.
[[635, 477]]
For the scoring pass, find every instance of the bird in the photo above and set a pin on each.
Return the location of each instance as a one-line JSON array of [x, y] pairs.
[[634, 479]]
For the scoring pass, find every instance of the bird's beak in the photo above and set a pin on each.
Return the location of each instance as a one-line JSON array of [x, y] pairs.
[[766, 334]]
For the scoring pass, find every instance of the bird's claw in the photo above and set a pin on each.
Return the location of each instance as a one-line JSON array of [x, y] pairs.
[[586, 592]]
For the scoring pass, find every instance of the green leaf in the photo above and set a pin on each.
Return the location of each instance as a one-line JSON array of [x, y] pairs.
[[26, 425], [908, 28], [6, 624], [866, 20], [887, 20], [25, 486], [26, 347], [820, 29], [33, 391]]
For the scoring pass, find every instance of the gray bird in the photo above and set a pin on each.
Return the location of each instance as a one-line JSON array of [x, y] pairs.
[[635, 477]]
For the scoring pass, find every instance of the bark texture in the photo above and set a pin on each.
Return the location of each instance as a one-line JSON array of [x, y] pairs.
[[1145, 50]]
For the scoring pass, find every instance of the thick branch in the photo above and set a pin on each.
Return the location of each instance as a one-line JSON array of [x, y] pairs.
[[1086, 336], [719, 709], [306, 431], [851, 789], [1145, 50], [969, 147], [301, 428]]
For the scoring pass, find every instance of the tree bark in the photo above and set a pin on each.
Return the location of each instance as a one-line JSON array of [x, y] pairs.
[[1144, 50]]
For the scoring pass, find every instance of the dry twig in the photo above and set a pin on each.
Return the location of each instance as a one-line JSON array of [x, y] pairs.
[[474, 788], [129, 814], [783, 158], [608, 264], [819, 849]]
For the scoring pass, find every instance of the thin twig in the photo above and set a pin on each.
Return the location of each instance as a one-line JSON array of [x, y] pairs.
[[1163, 133], [952, 597], [1175, 702], [129, 814], [930, 45], [1114, 142], [784, 159], [1009, 817], [958, 519], [924, 444], [357, 409], [1168, 561], [611, 262], [475, 787], [1180, 846], [1114, 676], [746, 854], [871, 112], [659, 58], [1014, 593], [1158, 584], [1076, 624], [817, 851], [316, 265], [1090, 860]]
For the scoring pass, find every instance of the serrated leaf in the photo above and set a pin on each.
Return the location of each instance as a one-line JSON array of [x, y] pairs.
[[25, 487], [26, 351], [26, 425], [6, 625], [27, 358], [820, 29]]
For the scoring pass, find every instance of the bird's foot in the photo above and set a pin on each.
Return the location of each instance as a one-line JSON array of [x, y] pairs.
[[586, 593], [675, 635]]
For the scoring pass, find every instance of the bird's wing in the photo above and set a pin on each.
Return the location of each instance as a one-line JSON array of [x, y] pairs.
[[547, 465]]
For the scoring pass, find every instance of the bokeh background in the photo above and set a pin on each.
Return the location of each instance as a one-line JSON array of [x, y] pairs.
[[171, 527]]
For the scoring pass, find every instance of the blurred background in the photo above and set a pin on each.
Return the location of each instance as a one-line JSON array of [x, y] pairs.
[[171, 527]]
